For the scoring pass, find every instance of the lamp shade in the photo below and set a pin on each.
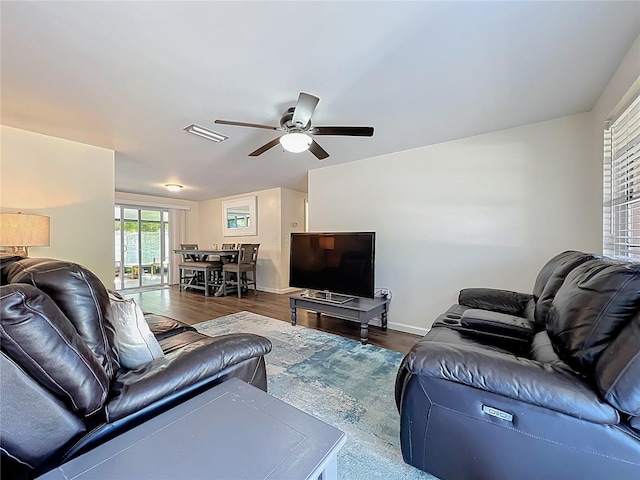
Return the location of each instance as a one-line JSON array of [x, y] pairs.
[[295, 142], [21, 230]]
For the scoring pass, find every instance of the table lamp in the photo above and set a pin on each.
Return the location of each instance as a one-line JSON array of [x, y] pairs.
[[21, 231]]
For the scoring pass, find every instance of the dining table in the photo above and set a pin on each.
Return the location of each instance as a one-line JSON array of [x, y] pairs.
[[202, 255], [205, 255]]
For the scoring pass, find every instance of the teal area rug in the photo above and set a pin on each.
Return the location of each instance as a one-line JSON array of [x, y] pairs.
[[338, 380]]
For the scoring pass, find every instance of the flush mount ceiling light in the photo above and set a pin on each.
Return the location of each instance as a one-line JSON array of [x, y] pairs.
[[295, 142], [173, 187], [205, 133]]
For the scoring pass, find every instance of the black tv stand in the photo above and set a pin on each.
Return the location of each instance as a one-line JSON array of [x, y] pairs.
[[359, 309]]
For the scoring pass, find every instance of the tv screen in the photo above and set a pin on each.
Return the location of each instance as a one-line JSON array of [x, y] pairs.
[[339, 262]]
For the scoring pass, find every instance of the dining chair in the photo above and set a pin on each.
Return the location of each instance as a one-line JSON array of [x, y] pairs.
[[229, 258], [247, 260], [195, 273]]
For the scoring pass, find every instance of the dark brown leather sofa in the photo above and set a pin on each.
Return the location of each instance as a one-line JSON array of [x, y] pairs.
[[496, 392], [62, 389]]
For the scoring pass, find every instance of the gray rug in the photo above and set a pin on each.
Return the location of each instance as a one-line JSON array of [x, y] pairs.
[[338, 380]]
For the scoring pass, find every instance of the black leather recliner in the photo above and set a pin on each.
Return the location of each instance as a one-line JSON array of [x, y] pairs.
[[63, 390], [477, 403], [512, 315]]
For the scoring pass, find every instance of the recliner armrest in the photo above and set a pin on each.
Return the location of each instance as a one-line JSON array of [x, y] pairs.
[[486, 321], [444, 354], [165, 376], [503, 301]]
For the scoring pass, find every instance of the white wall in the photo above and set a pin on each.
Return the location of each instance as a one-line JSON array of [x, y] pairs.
[[292, 221], [627, 73], [269, 269], [483, 211], [70, 182]]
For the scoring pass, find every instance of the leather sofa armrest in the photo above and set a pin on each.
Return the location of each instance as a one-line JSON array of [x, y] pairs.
[[165, 376], [486, 321], [502, 301], [499, 372], [163, 327]]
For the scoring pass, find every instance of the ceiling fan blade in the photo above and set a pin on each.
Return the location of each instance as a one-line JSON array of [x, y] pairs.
[[304, 109], [245, 124], [317, 150], [347, 131], [265, 147]]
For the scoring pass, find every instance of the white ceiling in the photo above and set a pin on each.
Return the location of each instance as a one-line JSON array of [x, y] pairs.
[[129, 76]]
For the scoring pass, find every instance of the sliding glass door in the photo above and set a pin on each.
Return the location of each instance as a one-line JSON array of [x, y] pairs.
[[142, 247]]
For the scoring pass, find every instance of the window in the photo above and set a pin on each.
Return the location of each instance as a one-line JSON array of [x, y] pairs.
[[621, 236]]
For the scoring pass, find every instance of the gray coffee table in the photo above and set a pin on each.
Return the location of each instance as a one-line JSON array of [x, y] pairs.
[[362, 310], [233, 431]]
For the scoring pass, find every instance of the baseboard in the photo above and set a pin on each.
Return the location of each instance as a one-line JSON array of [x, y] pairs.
[[280, 291], [408, 328]]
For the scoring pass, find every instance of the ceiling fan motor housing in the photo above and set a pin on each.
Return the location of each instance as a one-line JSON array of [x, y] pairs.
[[286, 122]]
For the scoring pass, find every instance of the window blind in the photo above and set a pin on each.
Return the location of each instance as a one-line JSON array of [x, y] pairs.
[[621, 203]]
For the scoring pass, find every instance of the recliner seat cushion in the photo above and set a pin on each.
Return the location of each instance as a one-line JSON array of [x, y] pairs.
[[596, 300], [39, 337], [446, 354]]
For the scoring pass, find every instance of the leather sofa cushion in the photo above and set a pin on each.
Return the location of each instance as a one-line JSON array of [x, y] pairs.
[[550, 267], [596, 300], [446, 354], [201, 359], [562, 265], [542, 351], [80, 295], [40, 338], [618, 370]]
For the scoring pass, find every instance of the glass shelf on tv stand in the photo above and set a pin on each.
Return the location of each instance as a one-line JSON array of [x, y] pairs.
[[326, 296]]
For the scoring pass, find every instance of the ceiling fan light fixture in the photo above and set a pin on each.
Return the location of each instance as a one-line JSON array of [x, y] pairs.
[[173, 187], [295, 142], [205, 133]]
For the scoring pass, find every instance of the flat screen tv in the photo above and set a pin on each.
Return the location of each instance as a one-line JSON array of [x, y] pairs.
[[337, 262]]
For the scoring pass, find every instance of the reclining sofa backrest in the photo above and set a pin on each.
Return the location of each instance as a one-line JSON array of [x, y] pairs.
[[550, 279], [81, 297], [55, 324], [594, 326]]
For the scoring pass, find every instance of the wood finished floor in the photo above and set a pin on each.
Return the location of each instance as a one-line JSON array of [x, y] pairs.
[[193, 307]]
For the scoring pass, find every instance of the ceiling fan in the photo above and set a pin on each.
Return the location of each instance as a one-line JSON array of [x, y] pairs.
[[296, 123]]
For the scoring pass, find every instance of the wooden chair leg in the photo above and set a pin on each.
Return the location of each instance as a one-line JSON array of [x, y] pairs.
[[224, 283], [255, 283]]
